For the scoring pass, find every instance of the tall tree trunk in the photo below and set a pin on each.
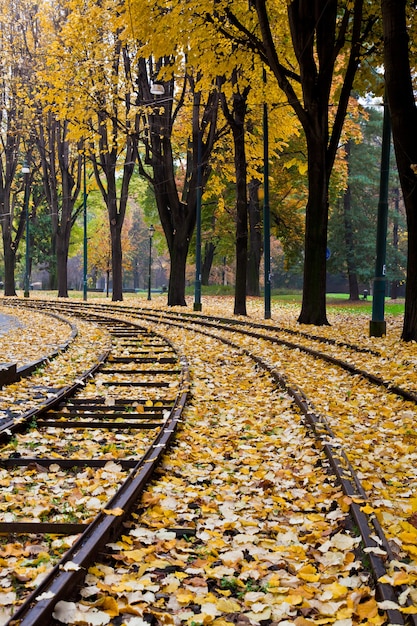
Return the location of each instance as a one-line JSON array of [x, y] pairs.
[[116, 260], [313, 309], [399, 86], [176, 286], [321, 32], [236, 119], [255, 239], [62, 272], [208, 257], [350, 248], [9, 254], [53, 264], [105, 163]]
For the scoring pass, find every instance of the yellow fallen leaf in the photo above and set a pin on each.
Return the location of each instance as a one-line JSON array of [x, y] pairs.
[[163, 618], [184, 596], [408, 537], [410, 549], [110, 606], [401, 578], [368, 609], [116, 512], [309, 573], [228, 605], [367, 509], [409, 610], [294, 599]]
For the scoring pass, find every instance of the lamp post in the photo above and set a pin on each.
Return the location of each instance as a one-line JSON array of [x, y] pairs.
[[266, 215], [197, 288], [26, 172], [151, 230], [85, 231]]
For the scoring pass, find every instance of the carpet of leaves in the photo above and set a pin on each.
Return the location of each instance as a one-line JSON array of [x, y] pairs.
[[50, 494], [34, 336], [25, 560], [243, 524]]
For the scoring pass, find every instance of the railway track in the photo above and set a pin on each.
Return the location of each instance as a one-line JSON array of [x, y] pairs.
[[374, 542], [95, 444]]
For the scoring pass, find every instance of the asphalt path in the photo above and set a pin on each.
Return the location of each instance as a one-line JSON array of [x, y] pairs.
[[8, 322]]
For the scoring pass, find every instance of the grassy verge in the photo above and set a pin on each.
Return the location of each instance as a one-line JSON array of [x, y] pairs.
[[336, 302]]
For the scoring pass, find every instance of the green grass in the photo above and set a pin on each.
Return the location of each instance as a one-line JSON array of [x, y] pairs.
[[336, 302], [340, 303]]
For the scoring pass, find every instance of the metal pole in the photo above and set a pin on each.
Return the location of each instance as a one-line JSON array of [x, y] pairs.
[[197, 290], [26, 172], [151, 232], [378, 326], [266, 215], [85, 235]]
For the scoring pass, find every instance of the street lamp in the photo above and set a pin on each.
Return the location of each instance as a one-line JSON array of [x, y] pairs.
[[85, 264], [157, 89], [151, 230], [266, 215], [26, 172], [197, 287]]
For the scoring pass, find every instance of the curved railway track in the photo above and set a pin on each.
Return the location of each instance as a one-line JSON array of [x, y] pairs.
[[253, 341], [97, 443]]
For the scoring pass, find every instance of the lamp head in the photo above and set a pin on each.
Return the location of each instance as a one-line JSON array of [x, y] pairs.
[[157, 89]]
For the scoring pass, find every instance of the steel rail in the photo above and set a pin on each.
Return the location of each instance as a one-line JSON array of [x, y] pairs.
[[38, 607], [367, 525]]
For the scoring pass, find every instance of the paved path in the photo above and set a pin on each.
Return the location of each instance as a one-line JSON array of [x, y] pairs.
[[7, 322]]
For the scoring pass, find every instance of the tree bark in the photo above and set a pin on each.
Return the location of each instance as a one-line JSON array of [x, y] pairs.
[[350, 249], [313, 309], [9, 267], [399, 86], [209, 250], [236, 119]]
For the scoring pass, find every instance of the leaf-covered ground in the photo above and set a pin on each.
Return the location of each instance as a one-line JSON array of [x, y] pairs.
[[243, 524], [32, 337]]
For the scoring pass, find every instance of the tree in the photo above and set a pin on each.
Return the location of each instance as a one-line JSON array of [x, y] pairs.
[[327, 41], [399, 74], [353, 219], [176, 188], [62, 172], [235, 116], [89, 88], [17, 26]]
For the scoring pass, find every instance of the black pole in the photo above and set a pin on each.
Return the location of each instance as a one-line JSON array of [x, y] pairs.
[[85, 233], [26, 172], [197, 289], [266, 215], [378, 326], [151, 231]]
